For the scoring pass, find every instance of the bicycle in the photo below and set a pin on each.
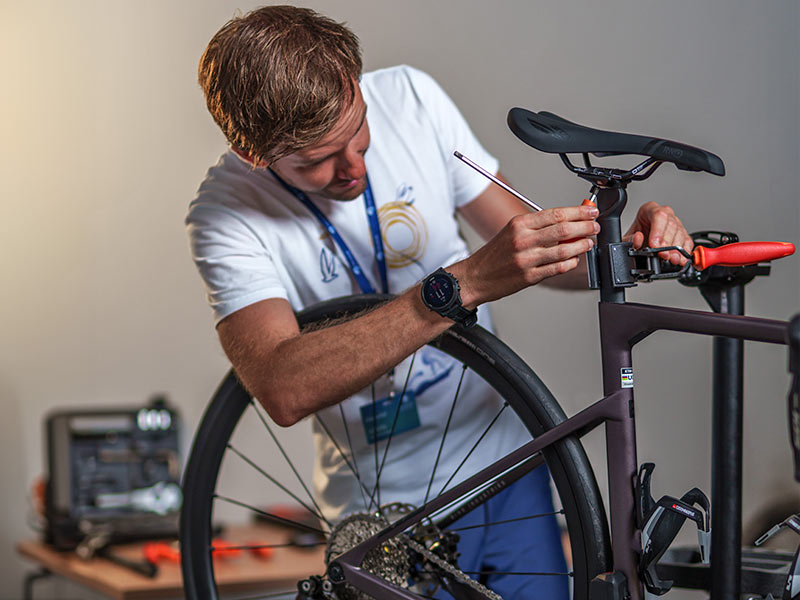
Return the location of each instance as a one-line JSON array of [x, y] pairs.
[[418, 543]]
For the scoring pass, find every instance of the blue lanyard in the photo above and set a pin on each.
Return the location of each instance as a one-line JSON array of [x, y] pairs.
[[374, 226]]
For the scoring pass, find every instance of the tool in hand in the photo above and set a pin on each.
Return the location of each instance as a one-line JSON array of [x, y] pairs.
[[511, 190], [494, 179], [587, 202]]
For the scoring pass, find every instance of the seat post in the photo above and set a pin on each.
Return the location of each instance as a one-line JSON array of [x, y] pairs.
[[610, 201]]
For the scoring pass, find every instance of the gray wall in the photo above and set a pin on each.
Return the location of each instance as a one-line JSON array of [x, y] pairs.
[[105, 137]]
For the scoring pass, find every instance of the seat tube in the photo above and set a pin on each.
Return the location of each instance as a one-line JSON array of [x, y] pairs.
[[610, 202], [622, 466], [618, 377]]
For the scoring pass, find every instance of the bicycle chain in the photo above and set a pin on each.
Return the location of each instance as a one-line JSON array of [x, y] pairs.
[[396, 509], [457, 574]]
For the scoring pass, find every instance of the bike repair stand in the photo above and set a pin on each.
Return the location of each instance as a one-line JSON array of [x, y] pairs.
[[723, 289]]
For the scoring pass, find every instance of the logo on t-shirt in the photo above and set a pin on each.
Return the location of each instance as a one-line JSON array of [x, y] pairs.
[[327, 265], [403, 229], [435, 367]]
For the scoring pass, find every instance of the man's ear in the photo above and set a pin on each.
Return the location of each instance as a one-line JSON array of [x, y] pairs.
[[245, 156]]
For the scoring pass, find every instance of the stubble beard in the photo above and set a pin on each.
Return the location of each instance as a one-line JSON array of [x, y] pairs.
[[347, 194]]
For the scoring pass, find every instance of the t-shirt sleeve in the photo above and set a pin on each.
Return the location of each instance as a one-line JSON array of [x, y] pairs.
[[454, 133], [236, 267]]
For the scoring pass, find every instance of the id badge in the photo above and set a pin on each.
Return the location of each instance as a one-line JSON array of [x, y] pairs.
[[378, 418]]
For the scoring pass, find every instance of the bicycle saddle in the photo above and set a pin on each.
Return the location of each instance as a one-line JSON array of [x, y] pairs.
[[550, 133]]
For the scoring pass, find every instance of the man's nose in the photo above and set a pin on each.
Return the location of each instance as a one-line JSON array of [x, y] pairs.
[[351, 165]]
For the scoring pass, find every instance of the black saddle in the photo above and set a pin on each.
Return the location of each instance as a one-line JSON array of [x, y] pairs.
[[550, 133]]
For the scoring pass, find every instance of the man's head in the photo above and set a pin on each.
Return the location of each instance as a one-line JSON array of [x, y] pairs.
[[278, 79]]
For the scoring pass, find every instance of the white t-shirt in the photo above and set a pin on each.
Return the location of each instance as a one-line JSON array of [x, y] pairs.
[[252, 240]]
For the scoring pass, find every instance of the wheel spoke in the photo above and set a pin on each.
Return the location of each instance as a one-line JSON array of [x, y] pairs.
[[285, 456], [394, 423], [344, 456], [353, 454], [444, 435], [291, 594], [267, 546], [475, 445], [547, 514], [543, 573], [316, 513], [375, 435], [270, 516]]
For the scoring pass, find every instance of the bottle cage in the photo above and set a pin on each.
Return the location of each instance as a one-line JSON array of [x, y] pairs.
[[660, 522], [791, 591]]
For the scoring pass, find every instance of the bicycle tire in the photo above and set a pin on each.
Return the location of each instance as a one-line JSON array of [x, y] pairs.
[[569, 467]]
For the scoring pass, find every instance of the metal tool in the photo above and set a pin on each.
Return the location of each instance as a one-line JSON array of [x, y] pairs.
[[494, 179], [97, 543], [161, 498]]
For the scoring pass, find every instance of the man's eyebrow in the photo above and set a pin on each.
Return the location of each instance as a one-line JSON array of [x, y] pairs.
[[313, 159]]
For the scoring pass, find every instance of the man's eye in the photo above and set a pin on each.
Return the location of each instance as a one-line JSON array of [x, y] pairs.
[[311, 165]]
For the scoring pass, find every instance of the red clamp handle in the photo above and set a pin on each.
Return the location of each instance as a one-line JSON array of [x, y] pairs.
[[740, 254]]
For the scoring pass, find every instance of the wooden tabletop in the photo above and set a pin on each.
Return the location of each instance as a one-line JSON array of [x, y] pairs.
[[243, 573]]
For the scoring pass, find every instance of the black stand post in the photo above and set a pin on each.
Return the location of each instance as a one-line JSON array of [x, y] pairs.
[[726, 448], [30, 579]]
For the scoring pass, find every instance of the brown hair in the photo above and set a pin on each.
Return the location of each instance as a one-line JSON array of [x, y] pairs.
[[277, 79]]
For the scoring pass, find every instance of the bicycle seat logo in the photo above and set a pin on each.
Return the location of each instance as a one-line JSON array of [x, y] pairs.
[[672, 152]]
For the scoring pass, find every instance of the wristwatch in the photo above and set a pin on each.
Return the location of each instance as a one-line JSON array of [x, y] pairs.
[[440, 293]]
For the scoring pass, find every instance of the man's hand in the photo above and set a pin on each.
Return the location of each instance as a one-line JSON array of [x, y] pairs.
[[660, 227], [530, 248]]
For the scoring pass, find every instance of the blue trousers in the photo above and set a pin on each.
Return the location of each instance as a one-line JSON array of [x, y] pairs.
[[531, 545]]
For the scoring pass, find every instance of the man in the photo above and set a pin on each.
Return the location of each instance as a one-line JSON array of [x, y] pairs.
[[338, 184]]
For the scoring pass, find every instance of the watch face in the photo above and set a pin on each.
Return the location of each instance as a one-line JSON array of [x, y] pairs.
[[438, 291]]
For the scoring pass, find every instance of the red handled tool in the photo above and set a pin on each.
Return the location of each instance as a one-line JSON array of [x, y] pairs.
[[155, 552], [740, 254]]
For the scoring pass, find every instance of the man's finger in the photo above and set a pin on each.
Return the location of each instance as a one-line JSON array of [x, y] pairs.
[[563, 214], [566, 232], [565, 250]]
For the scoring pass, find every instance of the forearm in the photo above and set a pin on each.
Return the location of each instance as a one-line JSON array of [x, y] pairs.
[[310, 371], [294, 374]]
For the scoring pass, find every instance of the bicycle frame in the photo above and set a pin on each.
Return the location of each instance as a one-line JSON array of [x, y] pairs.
[[622, 326]]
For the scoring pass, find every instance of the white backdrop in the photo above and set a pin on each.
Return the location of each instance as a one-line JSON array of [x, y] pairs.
[[104, 138]]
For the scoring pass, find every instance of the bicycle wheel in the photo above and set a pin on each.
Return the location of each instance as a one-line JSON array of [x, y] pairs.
[[577, 497]]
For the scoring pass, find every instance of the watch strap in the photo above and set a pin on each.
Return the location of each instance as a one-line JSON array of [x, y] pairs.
[[463, 316]]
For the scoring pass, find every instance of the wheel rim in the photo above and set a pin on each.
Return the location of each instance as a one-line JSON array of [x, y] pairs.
[[574, 482]]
